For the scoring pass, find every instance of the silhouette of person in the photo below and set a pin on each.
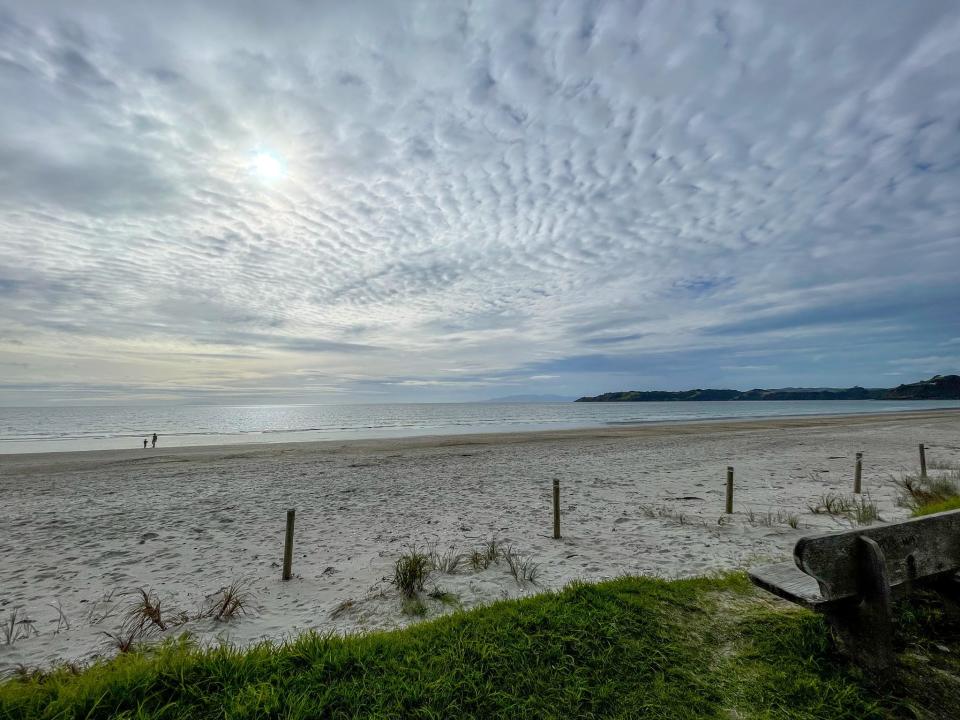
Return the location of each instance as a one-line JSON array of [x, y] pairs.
[[144, 443], [154, 440]]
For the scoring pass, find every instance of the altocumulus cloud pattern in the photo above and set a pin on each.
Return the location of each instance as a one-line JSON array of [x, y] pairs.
[[423, 200]]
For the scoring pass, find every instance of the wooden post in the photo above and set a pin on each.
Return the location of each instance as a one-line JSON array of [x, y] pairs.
[[729, 490], [288, 546], [923, 461], [857, 473], [556, 509]]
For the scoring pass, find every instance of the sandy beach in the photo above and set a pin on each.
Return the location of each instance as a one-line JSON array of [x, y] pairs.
[[79, 531]]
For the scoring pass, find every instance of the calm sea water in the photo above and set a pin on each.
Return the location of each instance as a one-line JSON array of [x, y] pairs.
[[94, 428]]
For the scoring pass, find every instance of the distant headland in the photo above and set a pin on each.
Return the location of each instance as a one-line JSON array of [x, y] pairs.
[[939, 387]]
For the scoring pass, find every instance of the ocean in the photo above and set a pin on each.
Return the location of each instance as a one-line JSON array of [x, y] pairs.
[[24, 430]]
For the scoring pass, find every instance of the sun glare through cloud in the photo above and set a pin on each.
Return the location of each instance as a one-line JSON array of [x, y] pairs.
[[267, 166]]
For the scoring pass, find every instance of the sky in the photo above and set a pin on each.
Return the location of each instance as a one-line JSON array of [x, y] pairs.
[[340, 202]]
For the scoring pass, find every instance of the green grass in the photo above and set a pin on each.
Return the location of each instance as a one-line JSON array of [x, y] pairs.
[[628, 648], [940, 506], [938, 492]]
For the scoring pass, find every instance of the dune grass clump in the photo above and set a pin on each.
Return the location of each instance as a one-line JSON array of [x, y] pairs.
[[485, 557], [832, 503], [414, 606], [769, 518], [410, 572], [342, 608], [229, 602], [448, 562], [146, 610], [143, 618], [17, 626], [523, 569], [63, 623], [858, 510], [922, 494], [864, 511], [941, 506], [126, 638], [445, 597], [663, 511]]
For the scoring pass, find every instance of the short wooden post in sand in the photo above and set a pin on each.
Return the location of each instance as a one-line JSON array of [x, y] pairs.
[[923, 461], [857, 473], [288, 546], [556, 509], [729, 490]]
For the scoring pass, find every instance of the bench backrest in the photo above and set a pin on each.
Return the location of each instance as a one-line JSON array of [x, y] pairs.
[[913, 549]]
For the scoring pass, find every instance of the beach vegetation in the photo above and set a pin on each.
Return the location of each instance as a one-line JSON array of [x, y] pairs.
[[17, 626], [127, 637], [479, 561], [146, 610], [864, 511], [62, 622], [649, 510], [106, 608], [445, 597], [143, 618], [414, 606], [631, 647], [523, 568], [941, 506], [921, 494], [832, 503], [485, 557], [448, 562], [229, 602], [769, 518], [342, 608], [410, 572], [663, 511], [858, 510]]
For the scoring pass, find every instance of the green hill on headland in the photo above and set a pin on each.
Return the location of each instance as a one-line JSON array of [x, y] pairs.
[[939, 387]]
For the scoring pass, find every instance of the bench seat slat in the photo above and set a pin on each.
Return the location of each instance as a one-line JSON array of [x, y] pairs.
[[786, 580]]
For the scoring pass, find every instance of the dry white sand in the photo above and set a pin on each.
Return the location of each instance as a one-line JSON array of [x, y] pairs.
[[78, 530]]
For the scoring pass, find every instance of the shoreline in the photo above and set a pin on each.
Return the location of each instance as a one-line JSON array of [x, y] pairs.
[[612, 429]]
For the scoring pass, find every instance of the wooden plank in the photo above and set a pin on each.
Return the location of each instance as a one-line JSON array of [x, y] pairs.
[[914, 549], [786, 580]]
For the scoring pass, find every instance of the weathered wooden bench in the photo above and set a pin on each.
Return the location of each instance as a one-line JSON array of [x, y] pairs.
[[853, 576]]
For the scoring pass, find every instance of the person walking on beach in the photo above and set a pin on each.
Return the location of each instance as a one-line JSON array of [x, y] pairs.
[[154, 440], [144, 443]]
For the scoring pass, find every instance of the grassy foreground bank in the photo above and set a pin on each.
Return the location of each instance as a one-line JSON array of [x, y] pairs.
[[631, 648]]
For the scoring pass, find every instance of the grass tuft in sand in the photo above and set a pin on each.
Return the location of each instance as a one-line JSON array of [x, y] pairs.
[[448, 562], [17, 626], [410, 572], [938, 492], [230, 601], [523, 569]]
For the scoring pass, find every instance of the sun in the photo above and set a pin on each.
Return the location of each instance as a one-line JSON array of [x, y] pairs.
[[268, 166]]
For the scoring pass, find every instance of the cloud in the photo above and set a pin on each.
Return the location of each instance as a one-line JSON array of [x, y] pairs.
[[586, 193]]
